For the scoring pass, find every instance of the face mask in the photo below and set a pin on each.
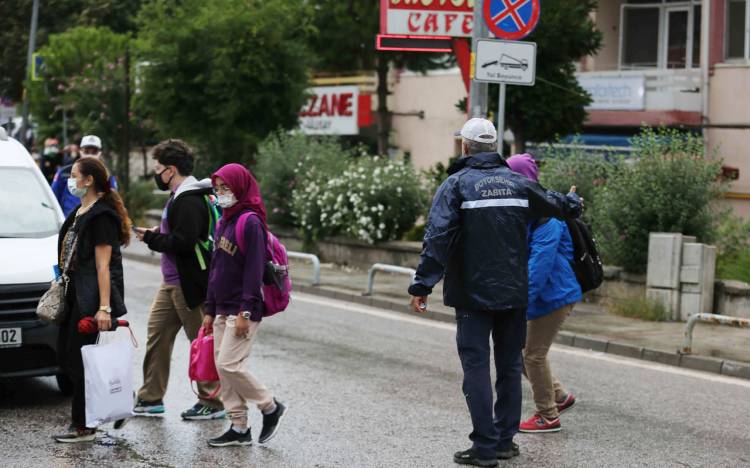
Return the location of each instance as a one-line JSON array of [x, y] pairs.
[[160, 183], [75, 190], [227, 201]]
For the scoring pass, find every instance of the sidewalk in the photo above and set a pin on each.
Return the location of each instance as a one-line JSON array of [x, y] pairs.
[[717, 349]]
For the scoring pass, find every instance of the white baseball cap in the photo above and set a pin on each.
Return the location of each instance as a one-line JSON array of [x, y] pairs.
[[479, 130], [91, 140]]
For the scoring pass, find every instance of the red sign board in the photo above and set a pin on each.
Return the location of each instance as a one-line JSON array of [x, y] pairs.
[[447, 18]]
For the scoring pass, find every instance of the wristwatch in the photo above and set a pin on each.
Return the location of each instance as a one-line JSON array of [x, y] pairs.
[[245, 315], [106, 309]]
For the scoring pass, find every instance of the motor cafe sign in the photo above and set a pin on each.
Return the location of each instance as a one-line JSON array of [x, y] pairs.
[[331, 110], [427, 17]]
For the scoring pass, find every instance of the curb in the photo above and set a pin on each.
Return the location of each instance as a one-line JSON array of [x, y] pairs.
[[700, 363]]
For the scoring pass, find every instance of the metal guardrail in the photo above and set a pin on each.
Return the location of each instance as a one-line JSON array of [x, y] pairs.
[[315, 262], [386, 268], [687, 342]]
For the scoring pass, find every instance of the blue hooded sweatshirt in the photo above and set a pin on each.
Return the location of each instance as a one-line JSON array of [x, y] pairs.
[[552, 282]]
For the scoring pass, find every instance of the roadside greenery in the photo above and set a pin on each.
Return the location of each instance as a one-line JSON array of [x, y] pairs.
[[641, 308], [223, 75], [669, 185]]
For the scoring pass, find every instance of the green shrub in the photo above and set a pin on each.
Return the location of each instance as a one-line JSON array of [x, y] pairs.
[[138, 199], [642, 308], [562, 168], [371, 199], [668, 186], [734, 267], [281, 156]]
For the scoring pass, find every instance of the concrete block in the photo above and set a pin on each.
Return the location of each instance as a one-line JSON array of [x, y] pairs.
[[625, 350], [690, 274], [671, 359], [664, 255], [669, 298], [590, 343], [701, 363], [690, 304], [691, 288], [736, 369], [692, 254], [564, 339], [689, 239]]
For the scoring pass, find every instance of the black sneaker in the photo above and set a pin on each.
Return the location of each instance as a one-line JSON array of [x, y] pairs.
[[469, 457], [509, 452], [271, 422], [232, 437], [149, 408], [76, 435], [199, 411]]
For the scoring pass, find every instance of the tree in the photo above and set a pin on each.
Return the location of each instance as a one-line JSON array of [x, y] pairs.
[[346, 43], [555, 104], [55, 16], [223, 75], [86, 77]]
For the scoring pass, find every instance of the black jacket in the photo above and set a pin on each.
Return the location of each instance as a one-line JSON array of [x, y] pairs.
[[188, 221], [476, 234], [84, 276]]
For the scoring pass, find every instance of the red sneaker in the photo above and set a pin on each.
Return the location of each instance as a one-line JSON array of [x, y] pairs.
[[566, 403], [537, 424]]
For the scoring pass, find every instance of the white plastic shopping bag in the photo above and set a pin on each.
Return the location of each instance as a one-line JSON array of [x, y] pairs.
[[108, 374]]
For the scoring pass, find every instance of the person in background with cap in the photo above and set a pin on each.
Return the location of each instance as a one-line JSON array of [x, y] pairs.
[[90, 147], [476, 236]]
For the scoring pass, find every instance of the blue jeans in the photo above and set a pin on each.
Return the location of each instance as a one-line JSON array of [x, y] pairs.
[[508, 331]]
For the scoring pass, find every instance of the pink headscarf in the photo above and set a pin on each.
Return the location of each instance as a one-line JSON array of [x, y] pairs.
[[525, 165], [245, 189]]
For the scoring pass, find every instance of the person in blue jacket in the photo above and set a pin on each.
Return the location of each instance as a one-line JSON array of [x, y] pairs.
[[476, 236], [553, 291], [91, 147]]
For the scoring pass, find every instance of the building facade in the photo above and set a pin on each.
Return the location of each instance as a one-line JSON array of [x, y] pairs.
[[681, 64]]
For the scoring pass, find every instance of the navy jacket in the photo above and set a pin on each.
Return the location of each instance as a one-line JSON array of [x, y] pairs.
[[476, 234], [552, 282]]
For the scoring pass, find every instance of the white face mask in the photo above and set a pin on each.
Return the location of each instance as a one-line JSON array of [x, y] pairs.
[[74, 189], [227, 201]]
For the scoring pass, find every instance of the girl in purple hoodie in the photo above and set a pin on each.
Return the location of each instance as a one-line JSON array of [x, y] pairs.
[[234, 304]]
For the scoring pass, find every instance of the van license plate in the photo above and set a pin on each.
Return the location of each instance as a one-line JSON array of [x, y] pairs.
[[10, 337]]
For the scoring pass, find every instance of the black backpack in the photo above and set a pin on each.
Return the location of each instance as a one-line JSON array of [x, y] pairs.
[[587, 264]]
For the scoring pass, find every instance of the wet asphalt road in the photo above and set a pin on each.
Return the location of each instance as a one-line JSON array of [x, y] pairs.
[[369, 388]]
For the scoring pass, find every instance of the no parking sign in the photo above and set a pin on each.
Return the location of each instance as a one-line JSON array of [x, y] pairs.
[[511, 19]]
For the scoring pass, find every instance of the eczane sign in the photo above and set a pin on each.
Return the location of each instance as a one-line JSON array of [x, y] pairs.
[[331, 110], [427, 17]]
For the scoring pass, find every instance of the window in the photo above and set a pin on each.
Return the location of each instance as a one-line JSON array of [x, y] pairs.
[[660, 34], [30, 214], [737, 32]]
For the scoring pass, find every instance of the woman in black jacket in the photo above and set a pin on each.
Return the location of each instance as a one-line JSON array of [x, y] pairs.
[[89, 253]]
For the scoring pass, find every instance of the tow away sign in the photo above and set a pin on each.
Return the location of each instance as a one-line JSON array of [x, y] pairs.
[[509, 62]]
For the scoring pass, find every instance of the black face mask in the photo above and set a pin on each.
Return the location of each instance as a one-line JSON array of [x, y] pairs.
[[160, 183]]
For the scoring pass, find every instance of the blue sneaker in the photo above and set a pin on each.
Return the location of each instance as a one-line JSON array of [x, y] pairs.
[[149, 408], [202, 412]]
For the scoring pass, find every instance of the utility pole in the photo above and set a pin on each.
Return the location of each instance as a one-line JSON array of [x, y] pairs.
[[29, 59], [478, 91]]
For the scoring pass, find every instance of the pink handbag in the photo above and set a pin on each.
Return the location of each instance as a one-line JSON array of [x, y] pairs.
[[202, 366]]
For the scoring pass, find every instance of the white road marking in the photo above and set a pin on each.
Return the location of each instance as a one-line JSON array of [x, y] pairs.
[[611, 358]]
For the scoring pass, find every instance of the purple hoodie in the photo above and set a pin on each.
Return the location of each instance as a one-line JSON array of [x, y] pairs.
[[236, 277], [525, 165]]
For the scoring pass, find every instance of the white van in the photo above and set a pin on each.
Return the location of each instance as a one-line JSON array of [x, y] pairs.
[[30, 219]]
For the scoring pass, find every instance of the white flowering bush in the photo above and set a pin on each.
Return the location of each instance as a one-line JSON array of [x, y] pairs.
[[372, 199]]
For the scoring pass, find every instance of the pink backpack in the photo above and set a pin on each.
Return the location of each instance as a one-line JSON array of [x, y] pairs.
[[202, 366], [277, 285]]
